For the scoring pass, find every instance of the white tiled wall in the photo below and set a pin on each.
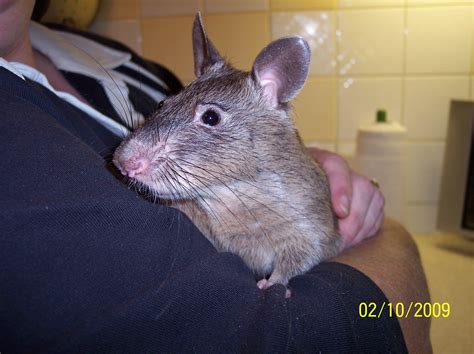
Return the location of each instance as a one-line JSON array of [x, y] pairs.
[[375, 3], [218, 6], [426, 104], [319, 30], [360, 97], [409, 57], [438, 39], [371, 42], [426, 159]]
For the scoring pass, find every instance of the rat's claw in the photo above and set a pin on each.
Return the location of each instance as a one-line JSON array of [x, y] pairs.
[[264, 284]]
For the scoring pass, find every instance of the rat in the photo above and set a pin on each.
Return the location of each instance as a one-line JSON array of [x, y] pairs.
[[225, 152]]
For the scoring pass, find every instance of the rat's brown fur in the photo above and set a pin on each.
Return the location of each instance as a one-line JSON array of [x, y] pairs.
[[247, 183]]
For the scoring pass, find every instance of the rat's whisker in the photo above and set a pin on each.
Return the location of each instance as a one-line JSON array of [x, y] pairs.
[[215, 196]]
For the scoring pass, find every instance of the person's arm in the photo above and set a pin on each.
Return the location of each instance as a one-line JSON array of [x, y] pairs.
[[392, 261]]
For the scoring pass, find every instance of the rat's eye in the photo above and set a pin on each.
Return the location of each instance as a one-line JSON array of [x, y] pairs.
[[210, 118], [160, 104]]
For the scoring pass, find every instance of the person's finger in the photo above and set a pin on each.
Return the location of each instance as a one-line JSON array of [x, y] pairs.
[[340, 183], [363, 192], [371, 218], [378, 224], [380, 219]]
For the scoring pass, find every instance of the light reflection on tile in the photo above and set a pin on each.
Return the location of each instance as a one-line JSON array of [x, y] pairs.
[[288, 5], [318, 29], [370, 41]]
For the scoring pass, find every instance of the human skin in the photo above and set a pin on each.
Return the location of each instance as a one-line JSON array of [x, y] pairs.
[[14, 38]]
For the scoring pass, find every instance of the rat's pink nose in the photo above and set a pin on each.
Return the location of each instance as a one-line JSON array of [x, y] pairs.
[[133, 166]]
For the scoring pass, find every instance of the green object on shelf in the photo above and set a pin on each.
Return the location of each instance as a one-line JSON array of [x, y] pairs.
[[381, 116]]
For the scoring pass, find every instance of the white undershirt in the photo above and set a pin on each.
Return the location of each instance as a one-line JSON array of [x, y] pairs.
[[70, 52]]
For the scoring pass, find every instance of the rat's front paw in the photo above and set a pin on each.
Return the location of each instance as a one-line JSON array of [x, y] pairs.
[[265, 284]]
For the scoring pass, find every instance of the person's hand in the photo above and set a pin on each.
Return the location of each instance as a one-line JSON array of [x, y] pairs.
[[357, 202]]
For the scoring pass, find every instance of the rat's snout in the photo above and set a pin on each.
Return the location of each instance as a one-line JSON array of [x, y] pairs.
[[132, 166], [138, 158]]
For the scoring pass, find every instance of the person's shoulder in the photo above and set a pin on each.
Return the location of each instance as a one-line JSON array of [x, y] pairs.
[[334, 302]]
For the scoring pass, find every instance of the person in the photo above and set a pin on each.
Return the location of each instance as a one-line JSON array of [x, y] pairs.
[[87, 265]]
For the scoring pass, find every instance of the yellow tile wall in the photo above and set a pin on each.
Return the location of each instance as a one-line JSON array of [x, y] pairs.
[[315, 110], [239, 37], [374, 46], [118, 10], [167, 40], [285, 5]]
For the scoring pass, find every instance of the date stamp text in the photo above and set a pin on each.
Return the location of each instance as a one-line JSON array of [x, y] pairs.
[[401, 310]]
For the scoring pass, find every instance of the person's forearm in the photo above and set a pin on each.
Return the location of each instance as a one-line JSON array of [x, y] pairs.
[[392, 261]]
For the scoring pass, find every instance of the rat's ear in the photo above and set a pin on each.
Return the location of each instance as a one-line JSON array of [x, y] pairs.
[[281, 68], [205, 54]]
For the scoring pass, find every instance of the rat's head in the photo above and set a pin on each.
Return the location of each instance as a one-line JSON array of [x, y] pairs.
[[219, 128]]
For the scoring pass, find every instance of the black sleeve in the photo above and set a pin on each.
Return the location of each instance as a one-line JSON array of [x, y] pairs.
[[88, 266]]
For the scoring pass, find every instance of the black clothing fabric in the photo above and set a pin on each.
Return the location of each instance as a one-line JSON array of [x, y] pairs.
[[93, 89], [94, 93], [86, 265]]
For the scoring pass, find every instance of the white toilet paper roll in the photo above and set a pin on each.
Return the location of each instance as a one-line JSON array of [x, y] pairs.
[[380, 154]]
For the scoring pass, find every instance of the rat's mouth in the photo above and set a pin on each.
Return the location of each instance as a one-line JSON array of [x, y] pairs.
[[159, 189], [158, 179]]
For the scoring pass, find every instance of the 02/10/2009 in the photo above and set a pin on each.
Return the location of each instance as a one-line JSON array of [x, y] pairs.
[[401, 310]]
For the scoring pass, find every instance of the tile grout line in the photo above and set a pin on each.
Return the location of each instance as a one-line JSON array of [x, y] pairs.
[[404, 63], [472, 53], [337, 78]]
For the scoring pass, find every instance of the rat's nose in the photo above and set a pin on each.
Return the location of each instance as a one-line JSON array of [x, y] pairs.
[[133, 166]]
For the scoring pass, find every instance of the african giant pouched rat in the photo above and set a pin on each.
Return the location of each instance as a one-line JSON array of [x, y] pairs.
[[225, 152]]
